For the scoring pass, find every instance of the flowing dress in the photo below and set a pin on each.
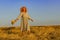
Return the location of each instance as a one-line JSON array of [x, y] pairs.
[[24, 21]]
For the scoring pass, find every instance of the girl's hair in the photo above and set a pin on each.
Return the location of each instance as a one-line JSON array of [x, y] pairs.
[[22, 9]]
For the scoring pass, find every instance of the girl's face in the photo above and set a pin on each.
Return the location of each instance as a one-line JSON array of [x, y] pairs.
[[23, 9]]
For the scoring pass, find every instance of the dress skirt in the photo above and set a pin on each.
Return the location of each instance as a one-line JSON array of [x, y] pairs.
[[24, 24]]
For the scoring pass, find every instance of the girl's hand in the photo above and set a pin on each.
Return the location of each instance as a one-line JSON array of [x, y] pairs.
[[12, 22], [32, 20]]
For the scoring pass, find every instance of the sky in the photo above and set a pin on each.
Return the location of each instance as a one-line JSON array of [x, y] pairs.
[[43, 12]]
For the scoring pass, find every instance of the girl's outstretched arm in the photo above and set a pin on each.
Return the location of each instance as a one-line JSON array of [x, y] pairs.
[[18, 17], [30, 18], [13, 21]]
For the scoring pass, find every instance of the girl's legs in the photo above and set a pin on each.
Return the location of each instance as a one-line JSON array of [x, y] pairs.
[[28, 28], [21, 26]]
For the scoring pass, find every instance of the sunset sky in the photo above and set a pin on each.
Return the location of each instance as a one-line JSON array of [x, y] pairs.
[[43, 12]]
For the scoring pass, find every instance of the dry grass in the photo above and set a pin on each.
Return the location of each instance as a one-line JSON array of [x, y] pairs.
[[37, 33]]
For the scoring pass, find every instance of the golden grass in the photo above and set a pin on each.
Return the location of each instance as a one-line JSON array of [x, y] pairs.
[[37, 33]]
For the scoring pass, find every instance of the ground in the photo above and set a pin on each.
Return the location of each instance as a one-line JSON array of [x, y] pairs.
[[37, 33]]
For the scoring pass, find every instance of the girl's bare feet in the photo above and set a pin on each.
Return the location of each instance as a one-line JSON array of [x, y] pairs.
[[28, 32]]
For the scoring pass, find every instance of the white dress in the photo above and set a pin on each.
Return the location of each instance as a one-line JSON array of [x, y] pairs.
[[24, 21]]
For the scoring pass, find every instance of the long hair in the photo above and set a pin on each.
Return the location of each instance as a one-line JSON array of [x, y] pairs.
[[22, 9]]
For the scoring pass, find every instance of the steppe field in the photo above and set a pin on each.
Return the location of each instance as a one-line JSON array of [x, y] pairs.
[[37, 33]]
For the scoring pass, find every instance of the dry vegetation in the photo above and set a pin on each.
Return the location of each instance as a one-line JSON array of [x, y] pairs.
[[37, 33]]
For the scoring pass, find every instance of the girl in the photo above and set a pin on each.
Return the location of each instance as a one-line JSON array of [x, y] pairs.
[[24, 19]]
